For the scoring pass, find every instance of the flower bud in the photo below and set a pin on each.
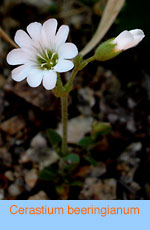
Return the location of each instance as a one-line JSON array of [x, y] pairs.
[[128, 39], [113, 47], [106, 51]]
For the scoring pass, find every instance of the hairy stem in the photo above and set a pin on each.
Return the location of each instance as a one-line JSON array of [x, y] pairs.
[[64, 111], [68, 86]]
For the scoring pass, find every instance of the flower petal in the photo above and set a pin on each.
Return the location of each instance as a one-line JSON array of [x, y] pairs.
[[50, 27], [63, 66], [20, 73], [50, 79], [61, 35], [34, 78], [34, 30], [137, 32], [17, 57], [48, 33], [22, 39], [67, 51], [124, 40], [45, 42], [138, 35]]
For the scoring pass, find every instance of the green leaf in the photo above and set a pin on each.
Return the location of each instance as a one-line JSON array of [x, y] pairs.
[[72, 159], [85, 142], [101, 128], [53, 137], [48, 174], [91, 160]]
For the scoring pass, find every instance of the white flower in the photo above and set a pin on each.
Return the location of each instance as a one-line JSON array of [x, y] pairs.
[[42, 54], [128, 39]]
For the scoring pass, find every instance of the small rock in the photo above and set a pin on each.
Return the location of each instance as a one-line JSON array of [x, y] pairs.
[[99, 170], [86, 100], [41, 195], [131, 103], [1, 194], [42, 156], [13, 125], [27, 156], [77, 128], [83, 171], [31, 178], [99, 189], [135, 186], [36, 96], [48, 159], [135, 147], [38, 141], [19, 173], [128, 161], [9, 175], [14, 190], [131, 126], [5, 156], [112, 118]]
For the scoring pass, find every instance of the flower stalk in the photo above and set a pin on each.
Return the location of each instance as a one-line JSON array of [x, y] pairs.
[[64, 112]]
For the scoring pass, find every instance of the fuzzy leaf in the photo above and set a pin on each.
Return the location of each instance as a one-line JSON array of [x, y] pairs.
[[72, 158], [85, 142], [48, 174], [101, 128], [91, 160], [53, 137]]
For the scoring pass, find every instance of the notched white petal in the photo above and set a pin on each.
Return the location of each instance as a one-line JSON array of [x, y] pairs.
[[61, 35], [48, 33], [50, 27], [17, 57], [20, 73], [68, 51], [50, 79], [34, 78], [34, 30], [63, 66], [22, 39]]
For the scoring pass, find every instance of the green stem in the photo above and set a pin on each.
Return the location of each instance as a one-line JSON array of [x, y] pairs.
[[90, 59], [64, 111], [69, 84], [63, 92]]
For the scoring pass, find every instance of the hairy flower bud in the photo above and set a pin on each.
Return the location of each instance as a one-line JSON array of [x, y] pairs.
[[106, 51], [113, 47]]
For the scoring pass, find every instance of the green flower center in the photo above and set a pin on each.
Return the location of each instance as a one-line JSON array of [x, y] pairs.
[[47, 60]]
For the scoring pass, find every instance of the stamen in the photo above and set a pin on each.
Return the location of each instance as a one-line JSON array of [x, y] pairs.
[[47, 59]]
